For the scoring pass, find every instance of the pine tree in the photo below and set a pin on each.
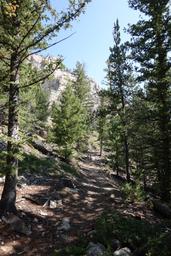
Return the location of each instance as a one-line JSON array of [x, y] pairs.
[[141, 142], [151, 44], [42, 107], [34, 112], [26, 27], [81, 86], [115, 144], [68, 122], [102, 118], [118, 75]]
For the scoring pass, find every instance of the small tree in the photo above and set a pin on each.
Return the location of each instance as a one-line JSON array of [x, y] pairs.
[[68, 122], [35, 109], [81, 84], [102, 118], [81, 87]]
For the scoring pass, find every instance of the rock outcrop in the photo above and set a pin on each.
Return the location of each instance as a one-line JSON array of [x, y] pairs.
[[57, 84]]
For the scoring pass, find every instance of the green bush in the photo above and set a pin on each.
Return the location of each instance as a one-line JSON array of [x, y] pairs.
[[133, 192], [161, 245], [36, 165], [132, 233], [72, 250]]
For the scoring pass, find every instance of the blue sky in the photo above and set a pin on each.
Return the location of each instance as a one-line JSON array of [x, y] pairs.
[[90, 44]]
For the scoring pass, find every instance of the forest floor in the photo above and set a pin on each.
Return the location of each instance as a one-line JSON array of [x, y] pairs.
[[94, 192]]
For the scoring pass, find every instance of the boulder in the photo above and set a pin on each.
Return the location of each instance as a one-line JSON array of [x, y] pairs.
[[52, 204], [123, 252], [65, 225], [95, 249]]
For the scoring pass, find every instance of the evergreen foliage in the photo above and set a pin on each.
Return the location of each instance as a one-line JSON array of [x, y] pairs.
[[26, 27], [133, 120], [81, 86], [34, 112], [119, 79], [71, 117], [102, 120], [139, 108], [69, 122], [150, 47]]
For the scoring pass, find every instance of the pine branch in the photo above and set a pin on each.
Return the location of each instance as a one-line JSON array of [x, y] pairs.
[[64, 20], [42, 78], [49, 46], [32, 28], [4, 61]]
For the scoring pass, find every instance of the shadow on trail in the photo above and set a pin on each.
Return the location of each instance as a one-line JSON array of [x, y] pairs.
[[93, 194]]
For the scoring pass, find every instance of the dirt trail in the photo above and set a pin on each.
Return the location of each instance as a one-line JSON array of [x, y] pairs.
[[95, 193]]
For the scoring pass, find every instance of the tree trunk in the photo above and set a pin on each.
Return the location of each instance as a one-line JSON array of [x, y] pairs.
[[164, 174], [126, 158], [163, 93], [101, 146], [117, 168], [144, 181], [8, 198], [126, 148]]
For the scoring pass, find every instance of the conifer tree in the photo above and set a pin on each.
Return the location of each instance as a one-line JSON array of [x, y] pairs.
[[115, 144], [142, 139], [102, 118], [118, 75], [68, 122], [34, 110], [151, 44], [26, 27], [81, 86]]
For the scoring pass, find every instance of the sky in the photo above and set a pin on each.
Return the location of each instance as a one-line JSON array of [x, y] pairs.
[[93, 35]]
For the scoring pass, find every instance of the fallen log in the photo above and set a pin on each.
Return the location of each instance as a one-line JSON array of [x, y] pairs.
[[42, 148]]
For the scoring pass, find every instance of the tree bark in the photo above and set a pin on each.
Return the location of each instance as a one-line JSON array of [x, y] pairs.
[[126, 147], [164, 163], [101, 146], [165, 169], [126, 158], [164, 147], [8, 198], [164, 174], [163, 90]]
